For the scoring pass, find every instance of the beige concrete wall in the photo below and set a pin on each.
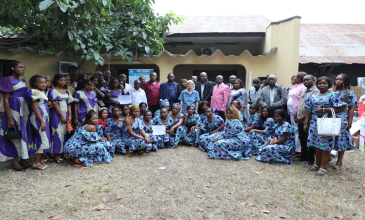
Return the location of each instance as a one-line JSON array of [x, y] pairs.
[[226, 49]]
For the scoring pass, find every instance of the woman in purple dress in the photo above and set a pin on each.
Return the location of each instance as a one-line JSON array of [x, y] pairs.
[[112, 95], [85, 100], [38, 120], [16, 115], [60, 115]]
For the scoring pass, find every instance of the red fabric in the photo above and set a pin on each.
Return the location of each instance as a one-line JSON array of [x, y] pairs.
[[152, 92], [101, 123]]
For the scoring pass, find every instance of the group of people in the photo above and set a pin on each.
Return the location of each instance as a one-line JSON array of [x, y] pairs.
[[82, 119]]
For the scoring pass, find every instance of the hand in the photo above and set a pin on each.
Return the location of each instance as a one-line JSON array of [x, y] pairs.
[[189, 134], [192, 129], [93, 86], [148, 140], [252, 131], [108, 95], [186, 113], [349, 127], [212, 132], [43, 126], [11, 123], [305, 128], [69, 118], [273, 140], [215, 140], [320, 110], [196, 112], [149, 131], [170, 132], [63, 120], [76, 121], [103, 139]]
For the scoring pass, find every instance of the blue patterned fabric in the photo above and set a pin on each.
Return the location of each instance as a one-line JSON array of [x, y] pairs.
[[87, 147], [343, 142], [188, 99], [135, 144], [232, 143], [257, 139], [312, 102], [253, 120], [279, 153], [154, 138], [162, 140], [191, 121], [179, 133], [205, 138], [116, 131]]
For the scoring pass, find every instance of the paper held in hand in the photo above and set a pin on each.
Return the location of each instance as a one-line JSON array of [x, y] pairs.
[[159, 129], [125, 99]]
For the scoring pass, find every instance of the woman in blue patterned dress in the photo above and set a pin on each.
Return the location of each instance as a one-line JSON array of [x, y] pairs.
[[317, 105], [257, 136], [254, 121], [147, 127], [281, 147], [239, 93], [85, 100], [88, 145], [211, 127], [125, 112], [164, 103], [16, 115], [201, 109], [136, 140], [39, 124], [230, 145], [343, 142], [60, 114], [114, 128], [112, 95], [192, 123], [163, 119], [176, 129], [143, 108]]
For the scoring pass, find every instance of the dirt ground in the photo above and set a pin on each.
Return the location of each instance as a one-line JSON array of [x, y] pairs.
[[190, 187]]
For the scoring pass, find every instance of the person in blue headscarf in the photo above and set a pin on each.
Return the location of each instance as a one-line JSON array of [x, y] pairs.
[[164, 103]]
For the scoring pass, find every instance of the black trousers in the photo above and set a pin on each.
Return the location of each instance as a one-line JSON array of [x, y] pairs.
[[153, 108], [221, 113], [307, 153]]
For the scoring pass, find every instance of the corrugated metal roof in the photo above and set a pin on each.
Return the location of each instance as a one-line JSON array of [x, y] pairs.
[[332, 43], [221, 24]]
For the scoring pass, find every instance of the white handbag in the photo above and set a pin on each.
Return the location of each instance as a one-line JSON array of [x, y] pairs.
[[329, 126]]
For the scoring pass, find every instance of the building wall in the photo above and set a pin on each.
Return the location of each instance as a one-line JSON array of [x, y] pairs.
[[226, 49]]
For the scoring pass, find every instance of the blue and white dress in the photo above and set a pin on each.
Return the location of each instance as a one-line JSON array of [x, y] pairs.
[[153, 138], [257, 139], [279, 153], [232, 144], [179, 133], [253, 120], [115, 130], [162, 140], [191, 121], [135, 144], [205, 138]]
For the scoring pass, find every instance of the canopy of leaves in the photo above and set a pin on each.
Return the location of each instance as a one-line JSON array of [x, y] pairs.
[[85, 28]]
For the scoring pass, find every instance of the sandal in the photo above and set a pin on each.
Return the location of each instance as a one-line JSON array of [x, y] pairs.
[[314, 168], [321, 172], [79, 165], [58, 161], [43, 168], [337, 168], [25, 166], [18, 169]]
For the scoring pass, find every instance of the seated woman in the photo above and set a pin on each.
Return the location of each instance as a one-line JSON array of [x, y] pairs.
[[192, 123], [162, 119], [125, 112], [176, 129], [136, 140], [253, 120], [231, 144], [238, 106], [147, 127], [88, 145], [281, 147], [257, 136], [201, 109], [143, 108], [163, 104], [114, 128], [103, 116], [211, 127]]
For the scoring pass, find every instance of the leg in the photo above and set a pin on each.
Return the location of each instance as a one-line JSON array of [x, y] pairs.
[[310, 155], [303, 136], [325, 155], [16, 164], [221, 113], [318, 157], [38, 164], [339, 159]]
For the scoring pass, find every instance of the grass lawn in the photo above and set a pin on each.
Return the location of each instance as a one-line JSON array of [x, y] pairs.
[[191, 187]]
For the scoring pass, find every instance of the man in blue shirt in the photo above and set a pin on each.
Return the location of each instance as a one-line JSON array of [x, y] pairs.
[[170, 90]]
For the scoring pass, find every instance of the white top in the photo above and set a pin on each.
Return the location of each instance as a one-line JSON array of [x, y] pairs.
[[272, 95], [202, 90], [128, 88], [138, 96]]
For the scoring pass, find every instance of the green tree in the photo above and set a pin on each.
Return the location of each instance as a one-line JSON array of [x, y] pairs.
[[85, 28]]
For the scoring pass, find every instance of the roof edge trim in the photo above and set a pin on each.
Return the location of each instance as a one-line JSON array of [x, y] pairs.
[[284, 20]]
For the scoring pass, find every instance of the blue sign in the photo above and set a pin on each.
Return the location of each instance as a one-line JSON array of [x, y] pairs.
[[134, 74]]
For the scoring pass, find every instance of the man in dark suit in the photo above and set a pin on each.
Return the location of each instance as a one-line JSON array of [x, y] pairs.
[[232, 78], [170, 90], [204, 87]]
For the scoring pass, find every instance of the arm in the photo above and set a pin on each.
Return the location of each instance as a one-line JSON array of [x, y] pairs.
[[38, 115], [250, 128], [221, 126], [145, 136], [308, 117], [186, 117], [225, 97], [56, 107], [128, 123], [11, 122], [76, 107], [351, 115], [162, 90], [281, 140], [99, 93], [175, 126], [258, 131]]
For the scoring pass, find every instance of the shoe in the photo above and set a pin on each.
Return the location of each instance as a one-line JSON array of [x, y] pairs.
[[20, 169]]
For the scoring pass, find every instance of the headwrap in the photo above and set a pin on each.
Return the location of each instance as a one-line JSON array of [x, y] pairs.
[[177, 105], [164, 102]]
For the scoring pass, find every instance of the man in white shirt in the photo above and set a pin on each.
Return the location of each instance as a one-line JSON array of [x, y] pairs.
[[138, 95], [123, 80]]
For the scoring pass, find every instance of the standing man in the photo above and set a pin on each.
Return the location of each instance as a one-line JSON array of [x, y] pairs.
[[152, 89], [195, 79], [255, 92], [99, 75], [232, 78], [273, 96], [307, 153], [138, 95], [142, 79], [107, 76], [204, 87], [220, 96], [170, 90]]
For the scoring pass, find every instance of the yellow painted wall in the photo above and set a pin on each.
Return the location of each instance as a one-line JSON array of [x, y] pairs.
[[226, 49]]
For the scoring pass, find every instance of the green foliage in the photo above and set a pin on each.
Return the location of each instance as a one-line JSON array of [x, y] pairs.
[[85, 28]]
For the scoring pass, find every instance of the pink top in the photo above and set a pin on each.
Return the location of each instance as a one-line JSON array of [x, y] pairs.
[[220, 97], [296, 92]]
